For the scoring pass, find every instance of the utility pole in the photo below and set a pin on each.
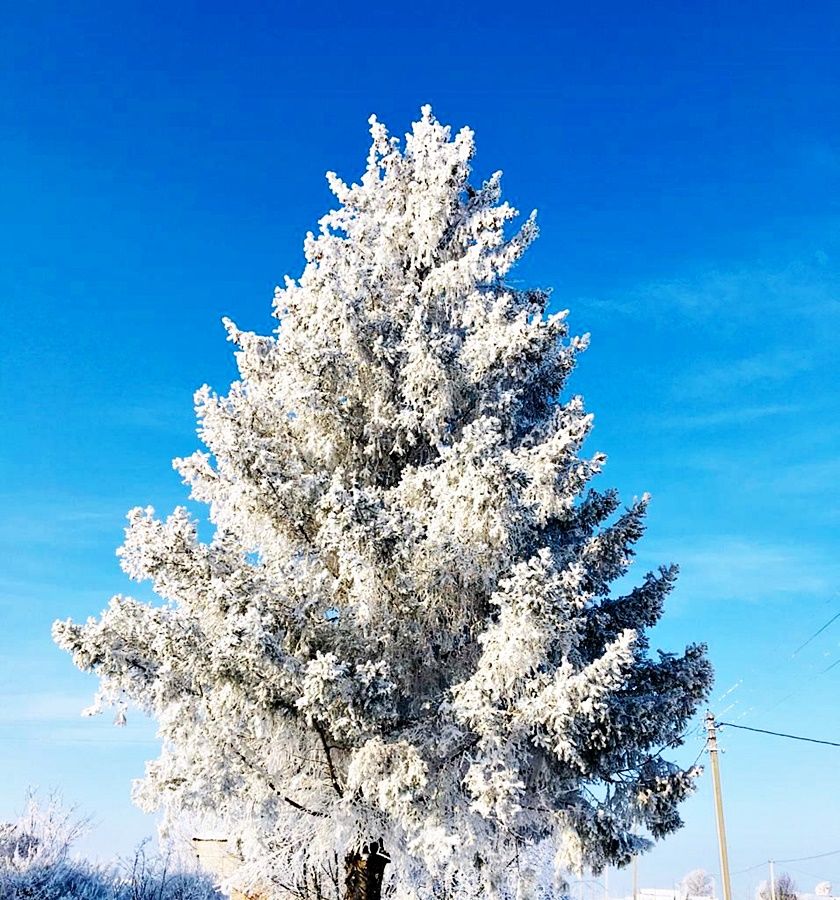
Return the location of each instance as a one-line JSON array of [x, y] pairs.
[[712, 747], [635, 878], [772, 881]]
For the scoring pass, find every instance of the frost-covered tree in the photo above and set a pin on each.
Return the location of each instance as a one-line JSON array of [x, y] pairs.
[[783, 889], [823, 889], [35, 864], [697, 883], [398, 664]]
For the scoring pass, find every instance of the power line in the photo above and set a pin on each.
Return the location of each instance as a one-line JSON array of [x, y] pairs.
[[803, 858], [809, 874], [702, 751], [807, 680], [817, 633], [763, 706], [761, 865], [793, 737]]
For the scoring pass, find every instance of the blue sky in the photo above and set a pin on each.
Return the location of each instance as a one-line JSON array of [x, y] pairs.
[[160, 168]]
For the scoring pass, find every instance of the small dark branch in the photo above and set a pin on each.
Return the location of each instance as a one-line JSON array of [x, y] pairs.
[[311, 812], [267, 778], [290, 517], [330, 764], [467, 745], [296, 525]]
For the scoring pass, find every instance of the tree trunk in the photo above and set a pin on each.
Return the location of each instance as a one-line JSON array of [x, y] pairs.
[[364, 871]]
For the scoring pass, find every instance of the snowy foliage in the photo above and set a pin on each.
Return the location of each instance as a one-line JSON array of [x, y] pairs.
[[697, 883], [823, 889], [783, 889], [402, 629], [35, 864], [41, 836]]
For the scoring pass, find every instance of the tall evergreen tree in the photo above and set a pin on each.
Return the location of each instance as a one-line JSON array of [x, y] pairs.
[[397, 667]]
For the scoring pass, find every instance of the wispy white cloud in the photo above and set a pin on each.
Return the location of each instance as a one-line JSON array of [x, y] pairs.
[[808, 286], [768, 368], [17, 708], [736, 568], [170, 415], [787, 472], [807, 476], [36, 521], [724, 417], [55, 717], [27, 591]]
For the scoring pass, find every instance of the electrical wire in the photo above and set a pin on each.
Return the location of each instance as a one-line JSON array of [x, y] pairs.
[[702, 751], [807, 680], [761, 865], [763, 707], [803, 858], [793, 737], [817, 633], [813, 875]]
